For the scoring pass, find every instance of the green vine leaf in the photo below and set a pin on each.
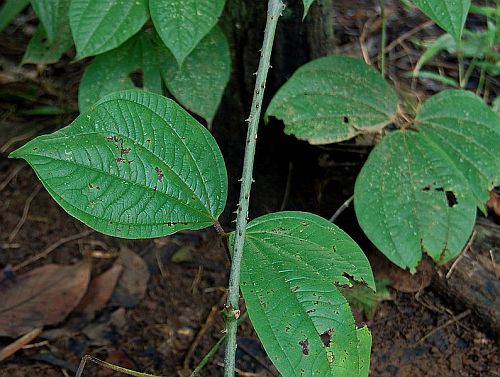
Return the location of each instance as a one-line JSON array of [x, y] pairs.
[[182, 24], [52, 36], [136, 165], [111, 71], [450, 15], [41, 51], [200, 83], [332, 99], [307, 5], [292, 264], [99, 26], [52, 13], [9, 10], [418, 191]]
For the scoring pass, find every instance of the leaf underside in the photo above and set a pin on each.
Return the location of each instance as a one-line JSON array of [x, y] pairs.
[[292, 262], [99, 26], [419, 190], [136, 165], [182, 24], [332, 99], [448, 14]]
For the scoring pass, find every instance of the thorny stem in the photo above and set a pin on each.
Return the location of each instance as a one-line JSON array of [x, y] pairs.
[[231, 312], [383, 37]]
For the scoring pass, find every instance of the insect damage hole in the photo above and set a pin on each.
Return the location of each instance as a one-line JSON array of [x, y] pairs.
[[137, 77], [305, 346], [346, 119]]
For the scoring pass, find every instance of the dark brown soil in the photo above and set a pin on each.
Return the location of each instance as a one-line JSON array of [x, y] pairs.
[[409, 336]]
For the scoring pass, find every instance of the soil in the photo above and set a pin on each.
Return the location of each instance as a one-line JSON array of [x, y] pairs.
[[412, 333]]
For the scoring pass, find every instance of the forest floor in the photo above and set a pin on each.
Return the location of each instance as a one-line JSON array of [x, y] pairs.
[[164, 317]]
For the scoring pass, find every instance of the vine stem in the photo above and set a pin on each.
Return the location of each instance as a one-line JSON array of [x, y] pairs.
[[231, 311]]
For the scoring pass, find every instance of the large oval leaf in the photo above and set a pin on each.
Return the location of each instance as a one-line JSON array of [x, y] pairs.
[[182, 24], [449, 14], [100, 26], [135, 166], [200, 83], [110, 72], [52, 14], [332, 99], [292, 262], [418, 191]]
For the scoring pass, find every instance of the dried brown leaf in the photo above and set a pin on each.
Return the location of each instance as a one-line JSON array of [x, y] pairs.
[[133, 281], [100, 290], [43, 296]]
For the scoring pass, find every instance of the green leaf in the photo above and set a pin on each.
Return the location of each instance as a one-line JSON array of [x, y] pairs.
[[10, 9], [434, 76], [110, 72], [52, 14], [418, 191], [307, 4], [332, 99], [182, 24], [41, 51], [99, 26], [292, 264], [364, 349], [200, 83], [367, 300], [450, 15], [136, 165]]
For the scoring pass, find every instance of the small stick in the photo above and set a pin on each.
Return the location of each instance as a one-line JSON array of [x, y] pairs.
[[341, 209], [25, 213], [462, 254], [19, 343], [15, 170], [447, 323], [51, 248], [107, 365], [287, 187], [407, 35], [203, 330], [494, 264]]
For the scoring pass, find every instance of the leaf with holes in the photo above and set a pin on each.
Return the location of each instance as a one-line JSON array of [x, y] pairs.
[[111, 71], [292, 264], [418, 191], [52, 36], [448, 14], [52, 14], [200, 83], [136, 165], [182, 24], [332, 99], [41, 51], [99, 26]]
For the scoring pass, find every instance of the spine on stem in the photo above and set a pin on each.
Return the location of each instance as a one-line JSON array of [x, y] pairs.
[[231, 311]]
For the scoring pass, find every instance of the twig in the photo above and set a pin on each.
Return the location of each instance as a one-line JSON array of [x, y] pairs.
[[208, 323], [15, 170], [107, 365], [447, 323], [231, 311], [286, 195], [383, 37], [51, 248], [26, 209], [462, 254], [258, 359], [341, 209], [4, 148], [362, 38], [494, 264], [407, 35], [214, 350], [19, 343]]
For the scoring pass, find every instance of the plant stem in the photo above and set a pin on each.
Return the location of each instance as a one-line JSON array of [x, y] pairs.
[[460, 57], [231, 312], [383, 38]]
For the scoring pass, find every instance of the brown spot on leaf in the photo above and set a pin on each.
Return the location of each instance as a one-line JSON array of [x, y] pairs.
[[305, 346], [159, 173]]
